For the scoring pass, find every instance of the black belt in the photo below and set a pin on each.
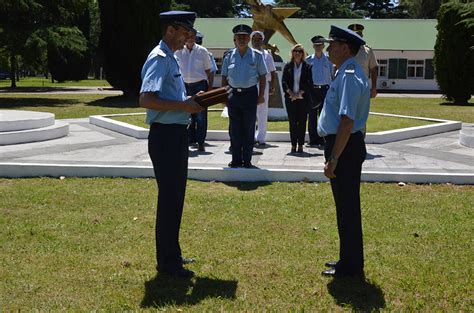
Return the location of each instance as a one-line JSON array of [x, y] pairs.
[[320, 86], [236, 89], [193, 84]]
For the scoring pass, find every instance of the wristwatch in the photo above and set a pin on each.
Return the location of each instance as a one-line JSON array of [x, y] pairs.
[[333, 160]]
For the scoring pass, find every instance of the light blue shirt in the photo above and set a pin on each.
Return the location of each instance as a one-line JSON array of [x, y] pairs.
[[322, 69], [349, 95], [243, 72], [161, 75], [213, 63]]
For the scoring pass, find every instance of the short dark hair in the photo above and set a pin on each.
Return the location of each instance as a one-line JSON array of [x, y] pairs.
[[353, 48], [164, 26]]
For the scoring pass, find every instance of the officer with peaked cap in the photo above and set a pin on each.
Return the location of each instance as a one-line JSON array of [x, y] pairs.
[[342, 120], [242, 69], [163, 94], [322, 72], [367, 60]]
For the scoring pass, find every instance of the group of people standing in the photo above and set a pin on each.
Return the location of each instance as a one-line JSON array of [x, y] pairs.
[[165, 93], [306, 81]]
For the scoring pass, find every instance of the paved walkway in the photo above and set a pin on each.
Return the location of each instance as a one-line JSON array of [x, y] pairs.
[[95, 149]]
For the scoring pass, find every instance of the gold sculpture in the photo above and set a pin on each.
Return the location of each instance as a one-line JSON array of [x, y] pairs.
[[269, 20]]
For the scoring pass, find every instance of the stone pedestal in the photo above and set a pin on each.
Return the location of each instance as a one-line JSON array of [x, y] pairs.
[[28, 126]]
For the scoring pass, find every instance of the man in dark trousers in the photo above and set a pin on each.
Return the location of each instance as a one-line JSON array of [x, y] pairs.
[[242, 69], [342, 121], [163, 94]]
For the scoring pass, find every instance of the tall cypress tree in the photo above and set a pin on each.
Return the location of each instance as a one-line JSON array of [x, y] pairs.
[[454, 51], [130, 29]]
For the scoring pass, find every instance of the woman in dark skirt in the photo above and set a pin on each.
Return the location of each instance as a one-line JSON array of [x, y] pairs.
[[297, 82]]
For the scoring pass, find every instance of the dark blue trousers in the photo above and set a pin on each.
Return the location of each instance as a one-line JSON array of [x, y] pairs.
[[198, 126], [242, 109], [168, 149], [346, 193], [318, 95]]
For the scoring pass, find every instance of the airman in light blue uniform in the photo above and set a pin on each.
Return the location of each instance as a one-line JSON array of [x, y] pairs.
[[163, 94], [161, 75], [349, 95], [342, 121], [242, 69]]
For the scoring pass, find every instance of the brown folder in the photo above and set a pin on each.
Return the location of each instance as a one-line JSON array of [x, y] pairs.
[[213, 97]]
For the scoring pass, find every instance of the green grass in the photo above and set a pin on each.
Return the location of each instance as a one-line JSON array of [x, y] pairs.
[[29, 82], [84, 105], [375, 123], [88, 244]]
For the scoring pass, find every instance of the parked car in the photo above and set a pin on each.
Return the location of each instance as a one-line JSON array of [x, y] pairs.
[[4, 75]]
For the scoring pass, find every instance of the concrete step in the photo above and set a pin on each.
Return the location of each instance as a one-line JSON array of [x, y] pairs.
[[466, 135], [57, 130], [15, 120]]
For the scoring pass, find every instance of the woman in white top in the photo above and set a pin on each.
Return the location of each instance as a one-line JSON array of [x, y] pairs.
[[297, 82]]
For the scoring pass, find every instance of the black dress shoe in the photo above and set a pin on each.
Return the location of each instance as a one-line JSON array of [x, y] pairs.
[[234, 164], [180, 273], [330, 264], [332, 272], [188, 260], [248, 165], [201, 147]]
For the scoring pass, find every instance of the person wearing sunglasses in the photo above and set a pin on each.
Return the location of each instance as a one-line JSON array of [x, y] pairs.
[[163, 94], [297, 82]]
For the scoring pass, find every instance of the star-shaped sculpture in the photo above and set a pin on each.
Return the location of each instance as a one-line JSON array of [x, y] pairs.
[[269, 20]]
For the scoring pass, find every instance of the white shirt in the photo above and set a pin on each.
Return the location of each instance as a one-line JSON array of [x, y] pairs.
[[193, 63], [366, 59], [296, 77], [268, 58]]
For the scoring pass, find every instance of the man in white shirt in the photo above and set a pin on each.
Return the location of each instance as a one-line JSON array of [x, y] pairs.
[[195, 66], [199, 38], [257, 38], [367, 60]]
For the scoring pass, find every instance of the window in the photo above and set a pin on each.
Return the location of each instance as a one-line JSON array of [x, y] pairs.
[[397, 68], [415, 68], [383, 68]]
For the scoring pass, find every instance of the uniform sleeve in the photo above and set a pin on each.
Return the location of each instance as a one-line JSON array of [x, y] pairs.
[[269, 62], [372, 60], [206, 60], [349, 94], [153, 74], [225, 65], [261, 66]]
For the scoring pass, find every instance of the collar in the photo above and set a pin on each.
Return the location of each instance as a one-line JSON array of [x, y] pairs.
[[164, 47]]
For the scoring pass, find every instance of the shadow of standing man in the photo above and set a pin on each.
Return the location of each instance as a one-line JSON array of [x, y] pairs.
[[359, 294]]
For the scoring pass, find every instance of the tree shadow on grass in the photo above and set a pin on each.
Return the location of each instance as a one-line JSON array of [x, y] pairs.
[[116, 102], [12, 103], [162, 290], [360, 295]]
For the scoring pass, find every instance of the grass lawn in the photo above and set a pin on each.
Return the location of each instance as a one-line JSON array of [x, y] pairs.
[[84, 105], [88, 244], [216, 122], [43, 82]]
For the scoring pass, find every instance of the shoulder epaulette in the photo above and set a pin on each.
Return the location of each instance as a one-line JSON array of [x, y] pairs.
[[160, 52], [257, 51], [350, 69], [227, 52]]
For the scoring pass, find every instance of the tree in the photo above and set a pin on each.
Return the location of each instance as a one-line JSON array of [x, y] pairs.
[[130, 29], [207, 8], [33, 24], [421, 8], [454, 51], [379, 9]]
